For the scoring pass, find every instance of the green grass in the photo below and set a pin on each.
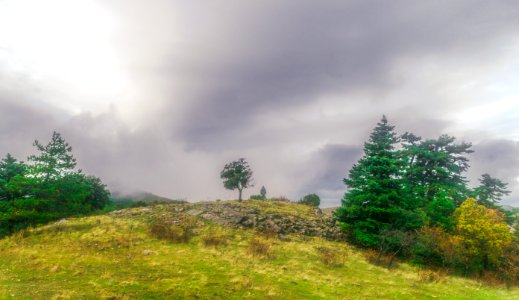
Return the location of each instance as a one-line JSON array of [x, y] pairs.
[[103, 257]]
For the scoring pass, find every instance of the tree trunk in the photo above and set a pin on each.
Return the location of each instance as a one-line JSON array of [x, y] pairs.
[[239, 197]]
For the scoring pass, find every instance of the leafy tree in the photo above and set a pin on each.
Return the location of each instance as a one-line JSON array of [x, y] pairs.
[[237, 175], [311, 199], [490, 191], [10, 168], [263, 192], [374, 201], [55, 159], [483, 232]]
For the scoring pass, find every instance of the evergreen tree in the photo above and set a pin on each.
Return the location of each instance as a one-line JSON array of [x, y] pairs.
[[263, 192], [433, 175], [374, 201], [47, 190], [99, 195], [237, 175], [10, 169], [490, 191], [55, 159]]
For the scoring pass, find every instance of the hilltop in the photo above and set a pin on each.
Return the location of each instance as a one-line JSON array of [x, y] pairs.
[[211, 250]]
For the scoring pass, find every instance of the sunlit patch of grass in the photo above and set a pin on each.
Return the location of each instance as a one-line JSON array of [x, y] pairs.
[[115, 257]]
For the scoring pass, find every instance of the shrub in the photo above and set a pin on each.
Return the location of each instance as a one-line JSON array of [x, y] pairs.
[[215, 239], [311, 199], [428, 275], [280, 199], [331, 256], [509, 267], [177, 233], [257, 197], [269, 230], [426, 250], [259, 247], [380, 259]]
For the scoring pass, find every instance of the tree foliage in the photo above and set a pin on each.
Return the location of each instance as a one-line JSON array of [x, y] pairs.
[[375, 199], [482, 231], [263, 192], [237, 175], [490, 191], [10, 169], [47, 189], [409, 196], [54, 160], [433, 175], [311, 199]]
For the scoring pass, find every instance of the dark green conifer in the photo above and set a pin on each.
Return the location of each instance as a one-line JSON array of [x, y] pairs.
[[374, 201]]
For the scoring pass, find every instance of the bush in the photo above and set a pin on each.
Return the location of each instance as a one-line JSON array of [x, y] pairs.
[[259, 247], [215, 239], [268, 230], [311, 199], [280, 199], [257, 197], [331, 256], [380, 259], [509, 267], [428, 275], [166, 230], [426, 250]]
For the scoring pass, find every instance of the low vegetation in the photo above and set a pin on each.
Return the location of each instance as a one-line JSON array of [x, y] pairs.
[[117, 256]]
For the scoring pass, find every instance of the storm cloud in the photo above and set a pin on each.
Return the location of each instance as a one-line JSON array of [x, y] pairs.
[[293, 86]]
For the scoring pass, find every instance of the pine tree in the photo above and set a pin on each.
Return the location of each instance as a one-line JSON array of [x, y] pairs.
[[55, 159], [10, 169], [374, 201], [433, 175], [263, 192], [490, 191]]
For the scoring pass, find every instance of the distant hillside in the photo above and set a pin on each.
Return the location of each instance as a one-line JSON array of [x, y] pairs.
[[211, 250], [141, 197]]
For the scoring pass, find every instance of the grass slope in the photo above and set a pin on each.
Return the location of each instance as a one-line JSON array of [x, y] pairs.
[[108, 257]]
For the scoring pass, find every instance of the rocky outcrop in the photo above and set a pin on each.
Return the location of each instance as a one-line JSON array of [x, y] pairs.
[[241, 215], [272, 217]]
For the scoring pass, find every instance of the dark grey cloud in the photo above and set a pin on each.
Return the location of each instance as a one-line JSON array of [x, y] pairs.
[[293, 86], [288, 54]]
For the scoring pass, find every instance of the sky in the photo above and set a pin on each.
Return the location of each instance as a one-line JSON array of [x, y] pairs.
[[159, 96]]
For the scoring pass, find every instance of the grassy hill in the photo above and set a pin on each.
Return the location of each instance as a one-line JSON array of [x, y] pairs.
[[209, 251]]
